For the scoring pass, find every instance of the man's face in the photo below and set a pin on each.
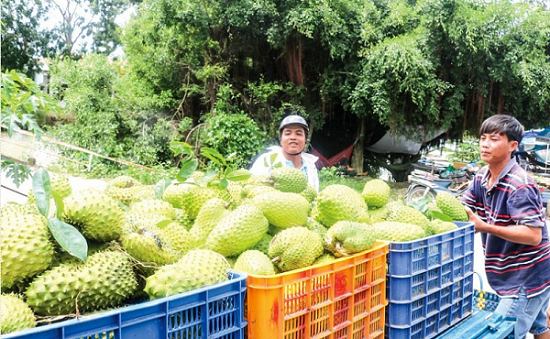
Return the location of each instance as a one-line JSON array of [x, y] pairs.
[[293, 139], [496, 148]]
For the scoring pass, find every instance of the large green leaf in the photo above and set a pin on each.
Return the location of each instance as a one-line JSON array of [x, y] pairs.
[[161, 186], [442, 216], [42, 191], [69, 238], [238, 175], [187, 168]]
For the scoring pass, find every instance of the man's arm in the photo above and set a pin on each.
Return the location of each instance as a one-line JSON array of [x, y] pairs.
[[519, 234]]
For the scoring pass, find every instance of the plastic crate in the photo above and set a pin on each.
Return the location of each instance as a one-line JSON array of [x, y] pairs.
[[342, 299], [214, 311], [482, 325], [430, 283], [487, 301]]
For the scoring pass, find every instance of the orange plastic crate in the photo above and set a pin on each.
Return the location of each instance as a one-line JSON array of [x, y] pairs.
[[342, 299]]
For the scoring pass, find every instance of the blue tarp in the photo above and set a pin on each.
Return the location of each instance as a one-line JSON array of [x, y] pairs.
[[535, 140]]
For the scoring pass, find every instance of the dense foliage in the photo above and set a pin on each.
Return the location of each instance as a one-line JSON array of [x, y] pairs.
[[355, 68]]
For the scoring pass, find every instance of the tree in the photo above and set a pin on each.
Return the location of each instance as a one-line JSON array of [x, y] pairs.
[[22, 41]]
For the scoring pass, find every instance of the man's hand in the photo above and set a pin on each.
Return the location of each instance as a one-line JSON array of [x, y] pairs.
[[473, 217]]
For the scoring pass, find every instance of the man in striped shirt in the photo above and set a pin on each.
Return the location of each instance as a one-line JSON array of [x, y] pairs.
[[504, 203]]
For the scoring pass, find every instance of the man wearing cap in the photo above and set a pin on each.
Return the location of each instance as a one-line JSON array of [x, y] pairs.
[[293, 133]]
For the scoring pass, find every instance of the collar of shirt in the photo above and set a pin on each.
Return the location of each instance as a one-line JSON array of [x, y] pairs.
[[303, 168], [503, 173]]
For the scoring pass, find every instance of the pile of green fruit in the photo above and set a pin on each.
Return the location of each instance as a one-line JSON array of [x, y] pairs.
[[143, 242]]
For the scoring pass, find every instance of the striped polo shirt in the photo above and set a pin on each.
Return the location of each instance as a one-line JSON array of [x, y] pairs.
[[514, 199]]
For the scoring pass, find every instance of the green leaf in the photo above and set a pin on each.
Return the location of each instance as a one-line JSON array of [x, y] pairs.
[[187, 168], [442, 216], [164, 223], [42, 191], [180, 147], [238, 175], [209, 176], [224, 183], [16, 172], [69, 238], [272, 159], [161, 186], [59, 205]]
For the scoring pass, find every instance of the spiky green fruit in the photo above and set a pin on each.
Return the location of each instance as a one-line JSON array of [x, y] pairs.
[[440, 226], [124, 181], [451, 206], [59, 186], [283, 209], [104, 281], [133, 221], [295, 248], [397, 231], [274, 230], [174, 194], [254, 262], [179, 237], [232, 193], [238, 231], [309, 193], [13, 208], [99, 216], [196, 198], [345, 238], [376, 193], [288, 179], [154, 206], [150, 246], [315, 226], [326, 258], [197, 268], [409, 215], [339, 202], [16, 314], [378, 214], [26, 247], [250, 191], [263, 244], [209, 216], [182, 218], [431, 207]]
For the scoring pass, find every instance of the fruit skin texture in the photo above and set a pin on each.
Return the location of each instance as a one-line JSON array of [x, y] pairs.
[[238, 231], [397, 231], [451, 206], [16, 314], [406, 214], [376, 193], [154, 206], [197, 268], [295, 247], [26, 247], [440, 226], [339, 202], [104, 281], [210, 214], [288, 179], [283, 209], [99, 216], [150, 245], [254, 262], [347, 237]]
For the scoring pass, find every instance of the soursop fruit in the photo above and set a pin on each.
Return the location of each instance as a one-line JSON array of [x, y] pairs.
[[288, 179], [128, 195], [283, 209], [326, 258], [16, 314], [241, 229], [409, 215], [347, 237], [59, 186], [274, 230], [376, 193], [124, 181], [250, 191], [295, 248], [431, 207], [232, 193], [154, 206], [150, 246], [182, 218], [99, 216], [263, 244], [440, 226], [339, 202], [209, 216], [26, 247], [309, 193], [133, 221], [176, 193], [315, 226], [378, 214], [104, 281], [451, 206], [254, 262], [196, 198], [397, 231], [196, 269]]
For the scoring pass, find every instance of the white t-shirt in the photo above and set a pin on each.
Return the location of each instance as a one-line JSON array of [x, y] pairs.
[[308, 165]]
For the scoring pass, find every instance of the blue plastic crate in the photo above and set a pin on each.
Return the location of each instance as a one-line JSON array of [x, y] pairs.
[[420, 255], [409, 313], [214, 311], [482, 325]]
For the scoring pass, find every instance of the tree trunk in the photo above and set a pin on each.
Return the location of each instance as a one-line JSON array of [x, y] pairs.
[[358, 156]]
